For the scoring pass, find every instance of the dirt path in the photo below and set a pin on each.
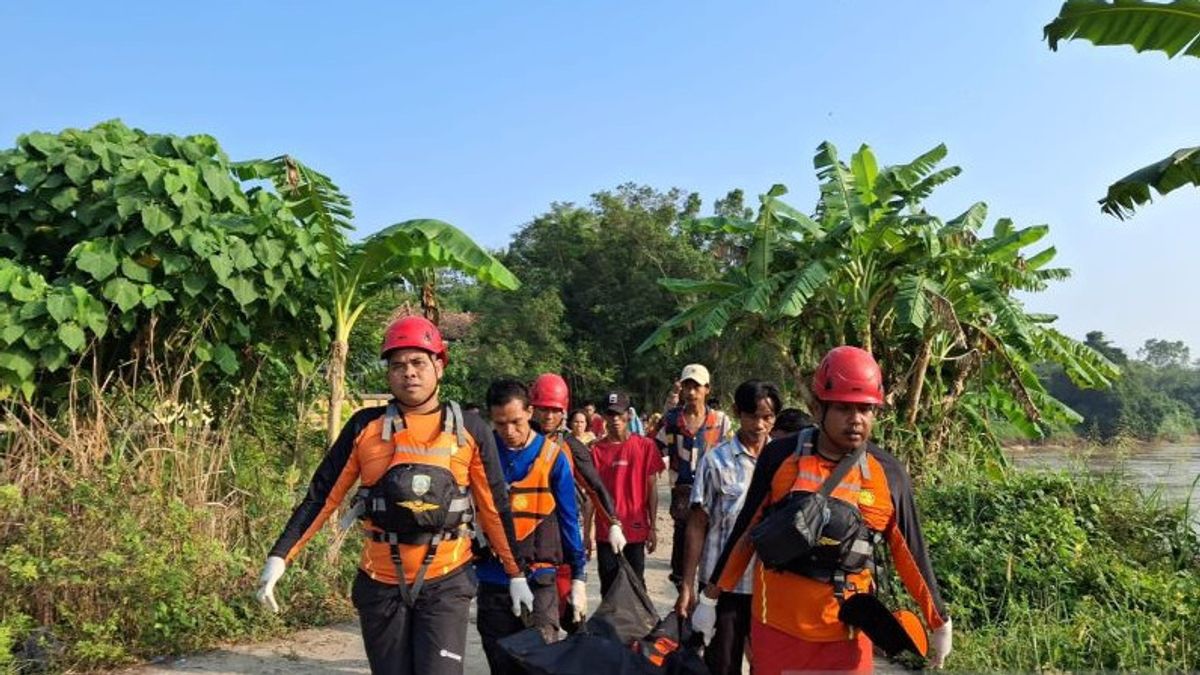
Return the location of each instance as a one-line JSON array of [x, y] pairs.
[[338, 648]]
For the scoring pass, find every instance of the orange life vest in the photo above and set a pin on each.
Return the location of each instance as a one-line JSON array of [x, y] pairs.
[[534, 509], [419, 502]]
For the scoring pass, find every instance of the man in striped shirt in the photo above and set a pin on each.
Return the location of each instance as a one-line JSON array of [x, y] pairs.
[[722, 477]]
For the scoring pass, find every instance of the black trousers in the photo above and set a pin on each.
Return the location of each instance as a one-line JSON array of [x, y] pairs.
[[606, 562], [495, 620], [724, 652], [429, 638]]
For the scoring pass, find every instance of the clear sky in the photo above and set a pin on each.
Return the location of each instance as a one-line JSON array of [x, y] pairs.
[[482, 114]]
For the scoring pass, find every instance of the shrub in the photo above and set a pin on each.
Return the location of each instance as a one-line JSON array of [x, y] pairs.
[[1046, 570]]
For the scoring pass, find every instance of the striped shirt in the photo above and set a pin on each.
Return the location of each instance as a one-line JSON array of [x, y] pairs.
[[720, 488]]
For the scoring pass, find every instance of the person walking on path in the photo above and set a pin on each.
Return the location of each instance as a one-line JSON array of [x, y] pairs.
[[541, 487], [551, 398], [426, 472], [687, 432], [628, 465], [578, 425], [721, 482], [795, 607]]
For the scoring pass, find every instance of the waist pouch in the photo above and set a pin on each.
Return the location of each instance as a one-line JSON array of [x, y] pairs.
[[791, 530], [416, 501], [794, 531]]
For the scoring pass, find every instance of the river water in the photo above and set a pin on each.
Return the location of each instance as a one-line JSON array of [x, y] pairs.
[[1170, 469]]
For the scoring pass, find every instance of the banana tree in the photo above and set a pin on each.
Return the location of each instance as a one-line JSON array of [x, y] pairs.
[[410, 252], [932, 300], [753, 299], [1172, 28]]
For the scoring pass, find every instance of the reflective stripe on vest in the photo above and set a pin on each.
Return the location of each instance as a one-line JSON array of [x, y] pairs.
[[809, 478], [440, 453], [531, 497]]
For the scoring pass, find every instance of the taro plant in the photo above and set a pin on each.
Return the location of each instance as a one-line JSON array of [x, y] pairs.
[[114, 240]]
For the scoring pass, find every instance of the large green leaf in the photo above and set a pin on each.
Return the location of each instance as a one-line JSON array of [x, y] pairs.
[[17, 363], [96, 258], [122, 293], [1181, 168], [803, 285], [425, 244], [1171, 28], [72, 336]]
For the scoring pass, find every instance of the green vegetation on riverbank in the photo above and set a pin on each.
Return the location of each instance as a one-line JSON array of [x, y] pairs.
[[1058, 571]]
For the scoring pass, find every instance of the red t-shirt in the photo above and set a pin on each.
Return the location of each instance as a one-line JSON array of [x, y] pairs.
[[625, 468], [596, 426]]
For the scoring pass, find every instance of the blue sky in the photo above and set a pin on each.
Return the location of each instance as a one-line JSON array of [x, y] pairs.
[[482, 114]]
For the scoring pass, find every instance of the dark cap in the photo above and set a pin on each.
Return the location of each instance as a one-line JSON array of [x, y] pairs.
[[615, 401]]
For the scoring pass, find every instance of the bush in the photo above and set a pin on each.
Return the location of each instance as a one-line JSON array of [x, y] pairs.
[[126, 535], [1050, 571]]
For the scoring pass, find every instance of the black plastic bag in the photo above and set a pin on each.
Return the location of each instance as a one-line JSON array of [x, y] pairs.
[[627, 613], [674, 648], [579, 654]]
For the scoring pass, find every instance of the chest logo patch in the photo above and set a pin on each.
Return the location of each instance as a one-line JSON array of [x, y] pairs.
[[866, 498], [519, 501], [421, 484]]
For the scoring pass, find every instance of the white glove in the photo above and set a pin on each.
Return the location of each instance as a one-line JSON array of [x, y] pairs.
[[616, 537], [266, 582], [518, 590], [704, 617], [940, 640], [579, 605]]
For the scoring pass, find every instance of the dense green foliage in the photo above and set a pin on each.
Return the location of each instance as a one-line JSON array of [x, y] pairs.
[[355, 274], [591, 295], [934, 300], [1049, 571], [114, 240], [127, 534], [1157, 397]]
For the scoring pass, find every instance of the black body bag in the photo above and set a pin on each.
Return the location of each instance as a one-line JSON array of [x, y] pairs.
[[792, 529]]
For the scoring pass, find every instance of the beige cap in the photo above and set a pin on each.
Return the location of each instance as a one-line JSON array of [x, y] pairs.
[[696, 373]]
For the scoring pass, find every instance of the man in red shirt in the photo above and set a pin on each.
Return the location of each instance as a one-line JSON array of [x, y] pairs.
[[628, 465]]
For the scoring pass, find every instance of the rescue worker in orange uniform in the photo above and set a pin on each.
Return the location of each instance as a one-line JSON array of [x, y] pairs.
[[551, 399], [794, 611], [428, 474], [541, 486]]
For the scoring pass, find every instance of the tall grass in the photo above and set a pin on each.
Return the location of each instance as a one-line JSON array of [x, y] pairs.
[[133, 522]]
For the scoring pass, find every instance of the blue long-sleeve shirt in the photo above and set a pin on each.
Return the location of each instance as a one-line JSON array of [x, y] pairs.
[[516, 465]]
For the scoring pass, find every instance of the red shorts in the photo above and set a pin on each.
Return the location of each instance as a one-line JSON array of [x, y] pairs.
[[774, 652]]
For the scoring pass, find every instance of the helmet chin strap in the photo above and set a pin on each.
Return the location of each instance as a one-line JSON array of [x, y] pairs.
[[437, 388]]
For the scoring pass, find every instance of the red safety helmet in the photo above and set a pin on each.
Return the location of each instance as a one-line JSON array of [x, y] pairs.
[[550, 391], [414, 332], [849, 375]]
